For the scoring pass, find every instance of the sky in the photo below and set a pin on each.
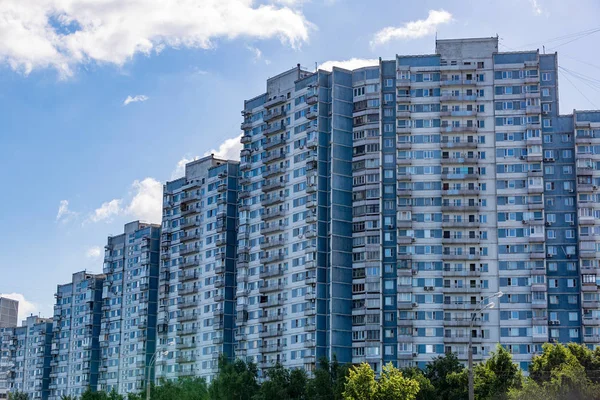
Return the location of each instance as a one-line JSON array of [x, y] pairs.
[[103, 101]]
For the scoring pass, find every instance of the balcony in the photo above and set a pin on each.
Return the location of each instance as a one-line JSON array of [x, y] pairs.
[[274, 142], [458, 129], [270, 273], [269, 186], [270, 288], [189, 224], [187, 303], [460, 176], [276, 156], [533, 110], [271, 258], [273, 170], [467, 257], [274, 128], [189, 198], [459, 160], [185, 277], [469, 191], [271, 333], [189, 236], [188, 250], [462, 97], [274, 101], [272, 214], [460, 224], [463, 144], [272, 228], [188, 290], [187, 317], [463, 240], [460, 113], [246, 139], [273, 114], [246, 125], [267, 244], [312, 99], [190, 264]]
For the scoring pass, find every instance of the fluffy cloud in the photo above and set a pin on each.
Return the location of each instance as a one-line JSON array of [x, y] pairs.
[[352, 63], [146, 204], [135, 99], [63, 33], [93, 252], [413, 29], [537, 9], [26, 308], [63, 211], [106, 211], [229, 149]]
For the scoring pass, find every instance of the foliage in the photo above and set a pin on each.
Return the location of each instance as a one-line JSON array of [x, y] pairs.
[[426, 389], [282, 383], [89, 395], [236, 381], [328, 381], [392, 385], [182, 389], [444, 374], [361, 384], [496, 376], [18, 396], [561, 372]]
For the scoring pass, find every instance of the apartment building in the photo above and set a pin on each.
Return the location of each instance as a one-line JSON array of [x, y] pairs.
[[129, 306], [197, 269], [6, 361], [31, 357], [294, 271], [75, 347], [467, 189], [9, 312]]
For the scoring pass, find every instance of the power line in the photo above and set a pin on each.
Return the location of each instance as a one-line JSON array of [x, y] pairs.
[[576, 35], [576, 88], [577, 38]]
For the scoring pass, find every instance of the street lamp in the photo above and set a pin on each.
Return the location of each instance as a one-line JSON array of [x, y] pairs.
[[480, 307], [164, 353]]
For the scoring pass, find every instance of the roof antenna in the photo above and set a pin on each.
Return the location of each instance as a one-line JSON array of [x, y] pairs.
[[316, 68], [544, 48]]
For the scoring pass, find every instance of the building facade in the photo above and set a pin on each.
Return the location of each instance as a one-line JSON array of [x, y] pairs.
[[6, 361], [129, 305], [197, 269], [294, 271], [9, 312], [75, 346], [31, 357], [466, 182]]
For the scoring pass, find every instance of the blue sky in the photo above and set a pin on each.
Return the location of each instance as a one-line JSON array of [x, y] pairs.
[[77, 162]]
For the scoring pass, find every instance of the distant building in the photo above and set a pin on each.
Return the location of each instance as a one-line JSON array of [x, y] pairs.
[[31, 356], [9, 312], [6, 361], [75, 346], [129, 303]]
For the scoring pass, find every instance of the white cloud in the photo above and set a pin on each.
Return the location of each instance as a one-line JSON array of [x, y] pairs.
[[135, 99], [26, 308], [413, 29], [62, 34], [93, 252], [146, 204], [106, 211], [537, 10], [229, 149], [352, 63], [258, 55], [64, 214]]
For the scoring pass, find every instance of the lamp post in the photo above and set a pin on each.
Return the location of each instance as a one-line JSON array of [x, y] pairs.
[[480, 307], [164, 353]]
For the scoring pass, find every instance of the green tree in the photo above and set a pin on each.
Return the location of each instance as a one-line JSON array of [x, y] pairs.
[[394, 386], [89, 395], [361, 383], [66, 397], [281, 383], [328, 380], [444, 373], [236, 381], [496, 376], [426, 389], [182, 389], [18, 396]]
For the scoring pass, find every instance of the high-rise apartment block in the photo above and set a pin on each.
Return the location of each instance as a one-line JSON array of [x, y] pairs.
[[9, 312], [465, 182], [294, 268], [31, 357], [129, 303], [197, 269], [75, 347], [6, 361]]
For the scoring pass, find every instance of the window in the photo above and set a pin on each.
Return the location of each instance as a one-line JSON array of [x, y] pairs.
[[546, 76], [389, 83], [547, 123], [546, 92]]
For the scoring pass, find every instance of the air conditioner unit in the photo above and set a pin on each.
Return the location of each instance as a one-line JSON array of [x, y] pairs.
[[548, 223], [550, 255], [571, 191], [415, 304], [595, 187], [568, 256], [430, 288], [301, 146], [414, 272], [414, 354], [571, 223]]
